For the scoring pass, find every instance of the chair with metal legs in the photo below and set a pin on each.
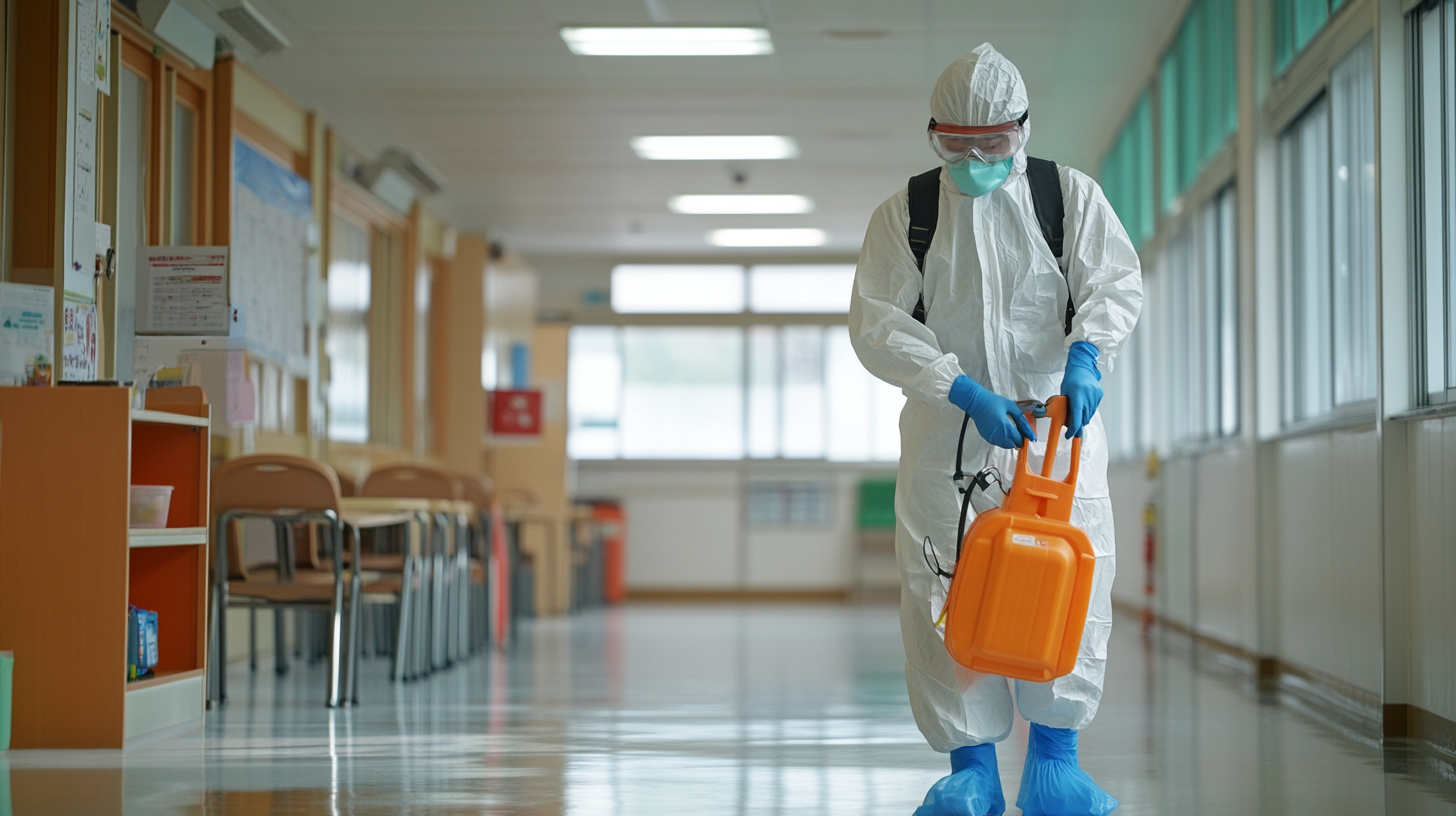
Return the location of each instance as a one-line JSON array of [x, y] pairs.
[[284, 490], [480, 492], [441, 583]]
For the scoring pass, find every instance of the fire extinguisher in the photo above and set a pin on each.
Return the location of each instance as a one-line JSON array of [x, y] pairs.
[[1150, 550]]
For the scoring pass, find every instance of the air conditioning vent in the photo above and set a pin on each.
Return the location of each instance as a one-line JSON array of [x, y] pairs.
[[411, 166], [253, 27]]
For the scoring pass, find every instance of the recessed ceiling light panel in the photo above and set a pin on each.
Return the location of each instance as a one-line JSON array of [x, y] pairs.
[[741, 204], [665, 41], [715, 148], [796, 237]]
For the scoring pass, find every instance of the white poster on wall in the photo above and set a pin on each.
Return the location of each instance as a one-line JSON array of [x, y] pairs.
[[183, 290], [26, 336], [272, 223]]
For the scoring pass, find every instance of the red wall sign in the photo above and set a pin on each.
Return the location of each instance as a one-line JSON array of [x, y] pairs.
[[515, 413]]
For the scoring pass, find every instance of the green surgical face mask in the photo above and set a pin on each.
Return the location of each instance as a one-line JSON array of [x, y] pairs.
[[976, 178]]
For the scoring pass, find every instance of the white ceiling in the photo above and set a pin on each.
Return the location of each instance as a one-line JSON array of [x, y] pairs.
[[534, 140]]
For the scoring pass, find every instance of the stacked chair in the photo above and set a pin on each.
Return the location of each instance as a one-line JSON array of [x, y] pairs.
[[291, 490], [421, 592], [443, 624]]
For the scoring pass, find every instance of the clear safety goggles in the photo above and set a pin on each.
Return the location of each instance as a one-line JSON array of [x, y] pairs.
[[987, 143]]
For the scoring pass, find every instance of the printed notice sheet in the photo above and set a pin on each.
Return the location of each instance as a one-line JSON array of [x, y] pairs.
[[185, 291]]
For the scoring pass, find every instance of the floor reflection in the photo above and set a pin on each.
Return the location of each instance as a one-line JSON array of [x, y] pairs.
[[710, 710]]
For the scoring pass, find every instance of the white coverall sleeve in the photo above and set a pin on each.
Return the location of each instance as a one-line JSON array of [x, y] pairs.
[[889, 341], [1103, 270]]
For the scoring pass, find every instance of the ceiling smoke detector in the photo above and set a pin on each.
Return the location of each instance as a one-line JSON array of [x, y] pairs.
[[253, 27]]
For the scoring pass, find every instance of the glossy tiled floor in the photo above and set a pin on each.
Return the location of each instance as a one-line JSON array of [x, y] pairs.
[[709, 710]]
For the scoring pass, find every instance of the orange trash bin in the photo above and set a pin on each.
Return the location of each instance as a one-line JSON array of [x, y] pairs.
[[612, 518], [1018, 601]]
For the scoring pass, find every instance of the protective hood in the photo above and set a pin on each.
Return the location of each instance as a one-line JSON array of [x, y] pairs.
[[980, 88]]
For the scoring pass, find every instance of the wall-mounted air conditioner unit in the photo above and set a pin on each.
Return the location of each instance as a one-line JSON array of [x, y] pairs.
[[399, 176], [178, 27], [252, 26]]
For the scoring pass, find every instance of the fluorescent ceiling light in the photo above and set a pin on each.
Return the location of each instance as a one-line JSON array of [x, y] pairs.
[[663, 41], [740, 204], [767, 237], [677, 289], [715, 148], [800, 288]]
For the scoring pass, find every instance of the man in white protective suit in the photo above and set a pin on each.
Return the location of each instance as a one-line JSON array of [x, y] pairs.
[[994, 317]]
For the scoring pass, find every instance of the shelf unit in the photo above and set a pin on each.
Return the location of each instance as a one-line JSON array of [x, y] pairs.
[[69, 564]]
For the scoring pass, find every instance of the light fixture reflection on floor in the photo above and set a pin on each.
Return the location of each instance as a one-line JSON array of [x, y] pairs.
[[667, 41], [741, 204], [715, 148], [796, 237]]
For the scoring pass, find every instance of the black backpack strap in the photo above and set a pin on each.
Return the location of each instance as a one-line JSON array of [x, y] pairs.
[[1046, 199], [924, 212]]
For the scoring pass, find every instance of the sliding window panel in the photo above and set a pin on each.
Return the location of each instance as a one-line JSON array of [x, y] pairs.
[[803, 392], [594, 392], [1209, 324], [350, 285], [1352, 155], [1305, 266], [1448, 230], [1228, 315], [863, 411], [1431, 71], [682, 394], [763, 392]]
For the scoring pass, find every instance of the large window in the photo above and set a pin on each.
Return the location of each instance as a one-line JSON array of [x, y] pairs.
[[726, 392], [1194, 300], [1327, 244], [1434, 64], [731, 289], [347, 341]]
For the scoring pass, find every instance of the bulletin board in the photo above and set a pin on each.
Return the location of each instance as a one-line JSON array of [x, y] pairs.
[[272, 219]]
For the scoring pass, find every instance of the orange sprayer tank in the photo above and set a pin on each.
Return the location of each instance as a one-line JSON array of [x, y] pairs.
[[1018, 602]]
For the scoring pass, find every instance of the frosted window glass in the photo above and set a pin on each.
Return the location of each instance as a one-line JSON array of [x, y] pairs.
[[1352, 155], [801, 289], [594, 392], [803, 392], [682, 393], [763, 392], [347, 338], [677, 289], [1304, 244]]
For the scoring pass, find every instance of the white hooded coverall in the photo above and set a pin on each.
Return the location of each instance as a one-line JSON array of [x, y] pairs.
[[995, 301]]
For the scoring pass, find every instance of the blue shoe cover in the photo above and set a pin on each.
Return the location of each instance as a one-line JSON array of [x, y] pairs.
[[972, 789], [1051, 782]]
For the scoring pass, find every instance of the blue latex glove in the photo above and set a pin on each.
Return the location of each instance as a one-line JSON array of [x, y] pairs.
[[998, 419], [972, 789], [1051, 782], [1081, 385]]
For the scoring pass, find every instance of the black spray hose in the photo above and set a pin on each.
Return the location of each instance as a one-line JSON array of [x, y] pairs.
[[965, 491]]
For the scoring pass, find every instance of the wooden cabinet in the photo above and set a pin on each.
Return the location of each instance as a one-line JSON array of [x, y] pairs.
[[70, 565]]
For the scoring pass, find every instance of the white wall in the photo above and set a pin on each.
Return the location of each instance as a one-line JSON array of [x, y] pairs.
[[1226, 549], [1432, 553], [1329, 556], [1130, 489], [686, 525]]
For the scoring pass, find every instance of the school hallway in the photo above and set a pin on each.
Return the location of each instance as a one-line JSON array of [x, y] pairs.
[[717, 709]]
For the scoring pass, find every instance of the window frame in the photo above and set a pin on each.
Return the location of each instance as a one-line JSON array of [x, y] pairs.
[[388, 233], [1434, 312], [1338, 414]]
